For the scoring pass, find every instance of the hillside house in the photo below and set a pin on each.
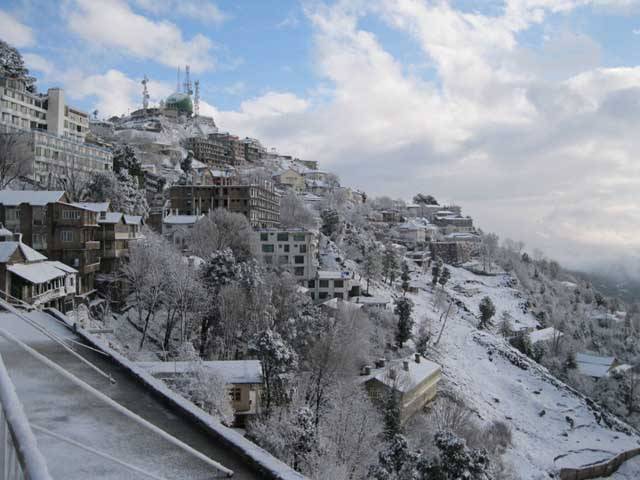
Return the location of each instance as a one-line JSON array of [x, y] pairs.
[[177, 228], [242, 377], [56, 228], [290, 178], [414, 382], [332, 284], [29, 277]]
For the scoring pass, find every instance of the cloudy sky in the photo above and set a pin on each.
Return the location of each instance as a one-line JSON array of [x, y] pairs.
[[525, 112]]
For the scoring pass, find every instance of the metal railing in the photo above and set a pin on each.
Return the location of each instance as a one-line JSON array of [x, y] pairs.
[[20, 458]]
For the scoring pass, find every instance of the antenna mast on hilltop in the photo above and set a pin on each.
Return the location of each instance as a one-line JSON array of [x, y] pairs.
[[145, 93], [187, 81], [196, 100]]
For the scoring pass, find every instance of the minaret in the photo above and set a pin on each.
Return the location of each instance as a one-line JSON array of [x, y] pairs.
[[145, 93], [187, 81], [178, 83]]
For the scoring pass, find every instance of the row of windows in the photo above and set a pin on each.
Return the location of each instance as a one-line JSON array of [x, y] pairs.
[[23, 98], [23, 109], [325, 283], [283, 237]]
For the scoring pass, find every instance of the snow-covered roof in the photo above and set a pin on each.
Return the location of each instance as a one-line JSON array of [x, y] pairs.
[[544, 335], [40, 272], [181, 219], [132, 219], [332, 275], [371, 300], [337, 304], [93, 206], [38, 198], [232, 371], [110, 217], [395, 376], [594, 365], [8, 248]]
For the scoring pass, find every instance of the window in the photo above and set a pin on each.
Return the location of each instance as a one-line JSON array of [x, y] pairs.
[[323, 295], [312, 284], [324, 283], [338, 295], [267, 248], [13, 214], [264, 237], [71, 214], [298, 271], [66, 235], [283, 237], [235, 393], [298, 259], [338, 283], [268, 259], [283, 259], [286, 248], [303, 248], [298, 237]]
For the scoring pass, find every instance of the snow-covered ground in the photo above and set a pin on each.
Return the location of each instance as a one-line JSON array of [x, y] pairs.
[[552, 426]]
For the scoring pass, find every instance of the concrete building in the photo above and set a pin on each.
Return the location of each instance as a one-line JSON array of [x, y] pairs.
[[219, 149], [56, 132], [28, 277], [253, 150], [60, 230], [257, 201], [452, 252], [329, 284], [413, 381], [117, 232], [290, 178], [295, 250]]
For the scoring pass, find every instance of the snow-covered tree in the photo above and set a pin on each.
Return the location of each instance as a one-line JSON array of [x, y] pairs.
[[277, 359], [422, 199], [14, 150], [331, 222], [403, 309], [222, 229], [12, 66], [389, 264], [120, 189], [487, 311], [124, 158], [405, 276], [294, 213], [372, 266], [209, 391]]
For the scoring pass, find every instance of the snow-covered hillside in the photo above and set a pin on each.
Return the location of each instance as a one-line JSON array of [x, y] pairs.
[[553, 426]]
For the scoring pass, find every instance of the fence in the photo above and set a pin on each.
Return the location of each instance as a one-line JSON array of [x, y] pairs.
[[603, 469], [20, 458]]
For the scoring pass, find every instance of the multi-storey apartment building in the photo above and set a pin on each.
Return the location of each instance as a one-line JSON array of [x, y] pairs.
[[328, 284], [257, 201], [295, 250], [60, 230], [56, 138], [28, 277], [219, 149]]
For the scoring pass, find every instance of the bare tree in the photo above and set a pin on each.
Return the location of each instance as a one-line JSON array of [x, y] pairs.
[[222, 229], [294, 213], [14, 157]]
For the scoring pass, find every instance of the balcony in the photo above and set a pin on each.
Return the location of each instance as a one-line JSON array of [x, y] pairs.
[[90, 268], [115, 253], [50, 295], [92, 245]]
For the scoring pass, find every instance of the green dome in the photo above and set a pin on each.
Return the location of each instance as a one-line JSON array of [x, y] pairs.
[[181, 102]]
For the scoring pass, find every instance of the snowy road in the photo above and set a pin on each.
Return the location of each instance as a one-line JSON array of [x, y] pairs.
[[53, 402]]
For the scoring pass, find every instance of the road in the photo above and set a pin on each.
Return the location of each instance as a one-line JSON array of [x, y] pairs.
[[55, 403]]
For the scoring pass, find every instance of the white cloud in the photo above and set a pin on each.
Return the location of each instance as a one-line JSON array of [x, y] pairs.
[[37, 63], [14, 32], [549, 158], [112, 24], [200, 10], [113, 91]]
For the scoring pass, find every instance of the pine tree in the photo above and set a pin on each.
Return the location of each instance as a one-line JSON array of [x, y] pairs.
[[487, 311], [405, 277], [404, 309], [435, 272], [372, 266], [389, 264]]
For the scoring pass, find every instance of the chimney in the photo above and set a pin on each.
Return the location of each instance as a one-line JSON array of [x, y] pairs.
[[381, 363], [366, 370], [417, 356], [405, 365]]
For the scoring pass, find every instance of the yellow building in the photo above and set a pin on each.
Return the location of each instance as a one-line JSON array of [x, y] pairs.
[[414, 382], [291, 178]]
